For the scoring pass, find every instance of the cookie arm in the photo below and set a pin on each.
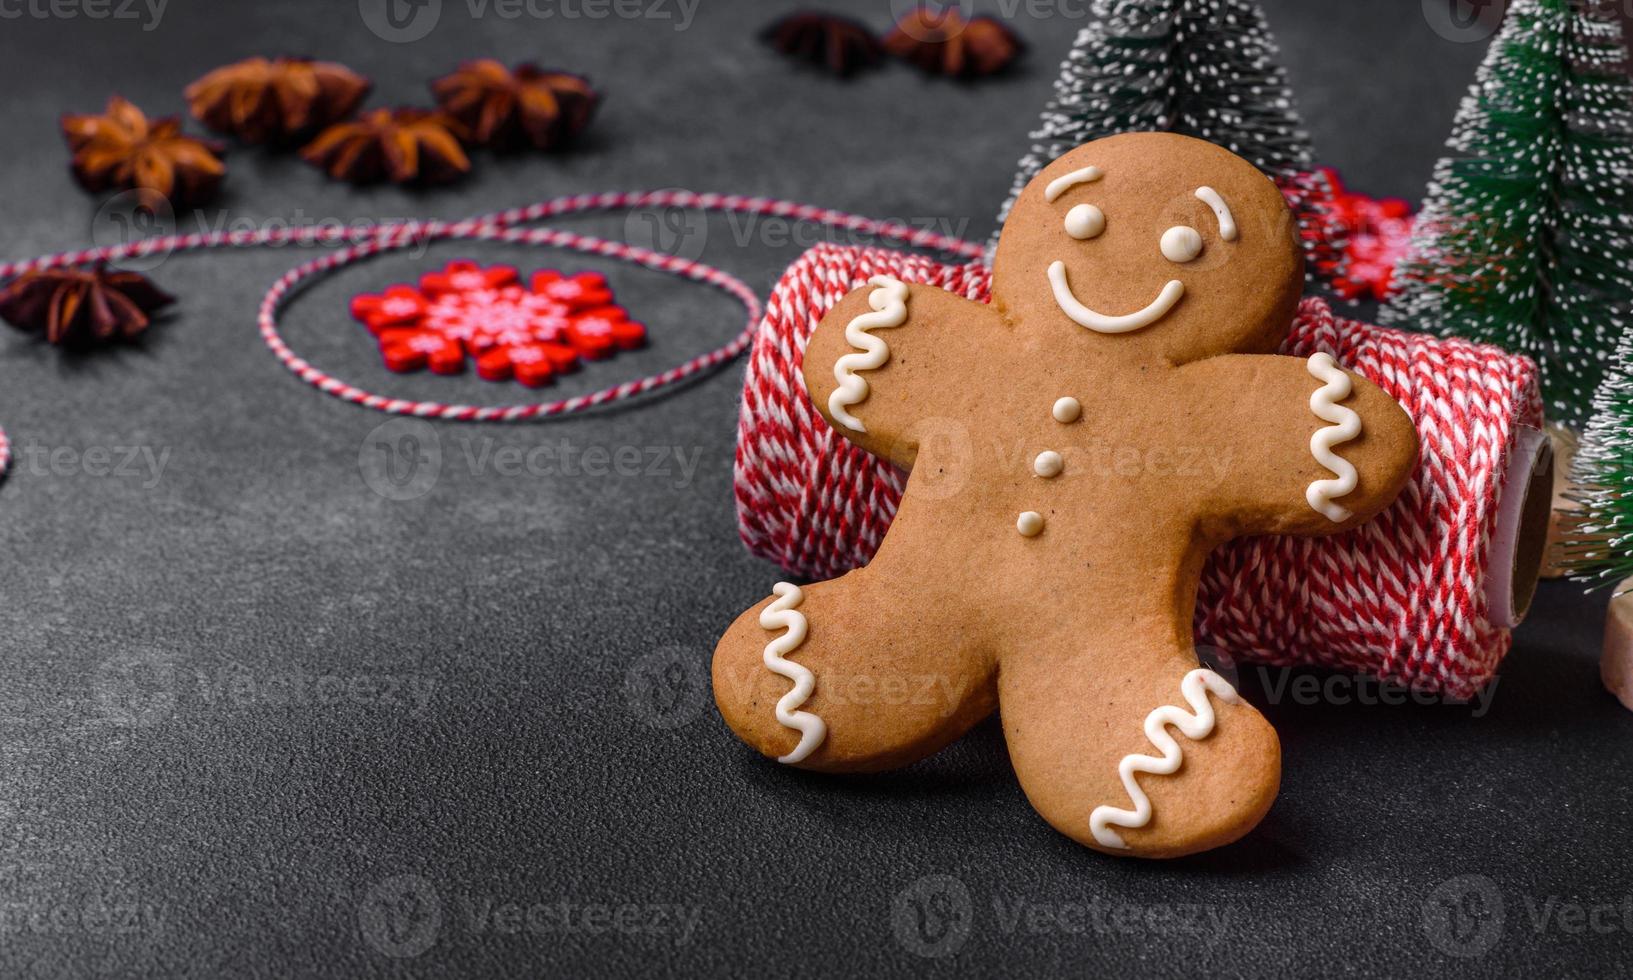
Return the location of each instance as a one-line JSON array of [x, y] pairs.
[[1296, 445], [880, 360]]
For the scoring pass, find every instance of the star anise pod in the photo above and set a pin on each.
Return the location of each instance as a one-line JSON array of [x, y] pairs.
[[404, 145], [506, 109], [124, 149], [262, 100], [841, 45], [942, 41], [82, 306]]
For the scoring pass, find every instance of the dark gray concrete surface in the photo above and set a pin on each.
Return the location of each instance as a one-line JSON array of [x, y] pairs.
[[258, 720]]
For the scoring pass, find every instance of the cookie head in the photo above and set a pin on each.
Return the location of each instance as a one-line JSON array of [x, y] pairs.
[[1152, 246]]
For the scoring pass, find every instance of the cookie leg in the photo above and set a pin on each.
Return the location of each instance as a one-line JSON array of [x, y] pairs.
[[848, 676], [1138, 755]]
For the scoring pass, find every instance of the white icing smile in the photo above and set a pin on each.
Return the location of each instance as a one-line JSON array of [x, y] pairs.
[[1102, 323]]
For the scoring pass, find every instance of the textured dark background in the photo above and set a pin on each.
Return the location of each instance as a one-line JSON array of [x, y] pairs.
[[259, 720]]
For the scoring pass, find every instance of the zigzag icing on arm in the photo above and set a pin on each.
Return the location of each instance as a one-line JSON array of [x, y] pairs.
[[1346, 425], [782, 615], [889, 303], [1196, 724]]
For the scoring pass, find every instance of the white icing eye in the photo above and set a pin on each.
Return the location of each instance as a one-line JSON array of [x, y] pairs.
[[1085, 221], [1181, 243]]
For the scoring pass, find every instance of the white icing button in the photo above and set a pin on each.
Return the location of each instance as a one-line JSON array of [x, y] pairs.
[[1181, 243], [1029, 524], [1085, 221], [1048, 464], [1067, 409]]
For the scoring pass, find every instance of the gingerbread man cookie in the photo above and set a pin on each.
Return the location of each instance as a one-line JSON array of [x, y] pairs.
[[1076, 448]]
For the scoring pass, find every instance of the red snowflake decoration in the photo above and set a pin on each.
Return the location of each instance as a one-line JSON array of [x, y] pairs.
[[527, 333], [1379, 233]]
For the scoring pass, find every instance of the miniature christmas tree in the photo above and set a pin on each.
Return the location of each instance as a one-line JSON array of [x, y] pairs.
[[1204, 68], [1526, 239], [1596, 541]]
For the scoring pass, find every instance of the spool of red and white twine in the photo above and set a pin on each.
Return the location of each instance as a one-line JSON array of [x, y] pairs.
[[1424, 595]]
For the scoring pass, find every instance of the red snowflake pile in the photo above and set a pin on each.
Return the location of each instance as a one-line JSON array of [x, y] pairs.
[[1378, 233], [530, 333]]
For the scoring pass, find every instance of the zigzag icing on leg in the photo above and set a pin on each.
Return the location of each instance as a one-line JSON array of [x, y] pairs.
[[1196, 724], [782, 615]]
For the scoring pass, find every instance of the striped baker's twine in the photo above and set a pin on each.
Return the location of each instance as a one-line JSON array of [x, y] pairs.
[[500, 226]]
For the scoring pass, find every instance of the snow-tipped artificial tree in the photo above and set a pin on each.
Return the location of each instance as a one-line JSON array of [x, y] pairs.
[[1597, 540], [1526, 239], [1203, 68]]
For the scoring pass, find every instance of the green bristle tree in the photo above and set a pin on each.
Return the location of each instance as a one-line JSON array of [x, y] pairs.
[[1203, 68], [1526, 239]]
